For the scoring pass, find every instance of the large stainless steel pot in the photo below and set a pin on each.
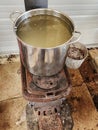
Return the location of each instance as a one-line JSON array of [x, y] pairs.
[[44, 61]]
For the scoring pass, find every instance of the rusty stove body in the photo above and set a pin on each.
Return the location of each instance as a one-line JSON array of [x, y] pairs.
[[47, 108]]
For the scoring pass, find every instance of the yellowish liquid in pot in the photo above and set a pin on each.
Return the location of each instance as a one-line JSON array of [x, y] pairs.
[[44, 31]]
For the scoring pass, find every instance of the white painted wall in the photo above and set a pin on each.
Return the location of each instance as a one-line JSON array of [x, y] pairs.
[[83, 12]]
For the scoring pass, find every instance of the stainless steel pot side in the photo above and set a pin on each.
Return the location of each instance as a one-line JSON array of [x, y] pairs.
[[44, 61]]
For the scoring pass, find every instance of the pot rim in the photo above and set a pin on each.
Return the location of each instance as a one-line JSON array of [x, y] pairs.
[[16, 24]]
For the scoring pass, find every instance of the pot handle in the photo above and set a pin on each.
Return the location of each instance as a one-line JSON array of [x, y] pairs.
[[14, 15], [75, 37]]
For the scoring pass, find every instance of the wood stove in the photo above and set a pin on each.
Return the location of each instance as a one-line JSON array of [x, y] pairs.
[[47, 107], [47, 100]]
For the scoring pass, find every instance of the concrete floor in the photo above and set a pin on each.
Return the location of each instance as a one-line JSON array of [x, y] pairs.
[[12, 104]]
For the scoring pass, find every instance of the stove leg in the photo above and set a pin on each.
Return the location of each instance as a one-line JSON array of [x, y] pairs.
[[66, 116], [32, 123]]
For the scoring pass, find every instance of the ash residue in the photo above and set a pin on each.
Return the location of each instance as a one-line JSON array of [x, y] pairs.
[[75, 53]]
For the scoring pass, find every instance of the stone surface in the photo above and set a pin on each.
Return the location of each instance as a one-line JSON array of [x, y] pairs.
[[76, 77], [10, 112], [84, 112], [10, 81]]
